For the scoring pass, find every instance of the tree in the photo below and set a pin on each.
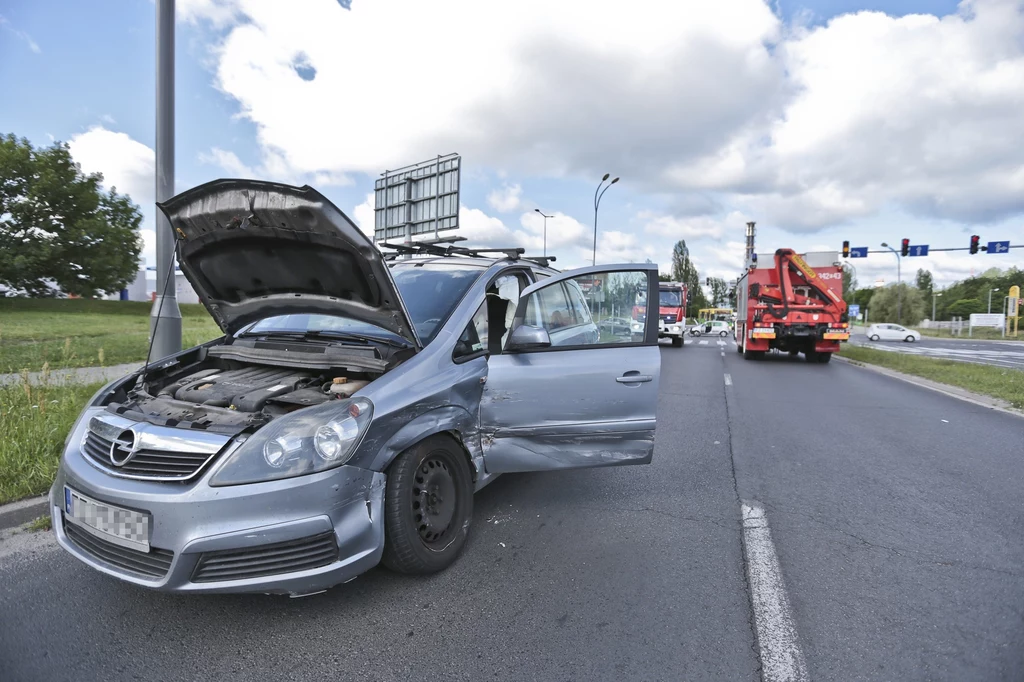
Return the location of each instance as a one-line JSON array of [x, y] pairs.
[[680, 261], [884, 304], [58, 229], [924, 282], [662, 277], [965, 307], [719, 292], [849, 284]]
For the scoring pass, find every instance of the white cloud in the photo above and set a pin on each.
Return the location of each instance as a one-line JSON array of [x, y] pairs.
[[228, 161], [125, 163], [694, 227], [801, 127], [506, 199], [21, 35], [273, 167], [364, 216]]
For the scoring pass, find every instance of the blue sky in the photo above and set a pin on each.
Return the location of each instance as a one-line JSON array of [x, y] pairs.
[[759, 137]]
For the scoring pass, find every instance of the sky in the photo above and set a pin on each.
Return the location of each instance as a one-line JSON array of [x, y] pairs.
[[822, 120]]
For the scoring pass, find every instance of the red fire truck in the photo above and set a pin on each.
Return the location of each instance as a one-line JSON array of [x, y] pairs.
[[671, 312], [792, 303]]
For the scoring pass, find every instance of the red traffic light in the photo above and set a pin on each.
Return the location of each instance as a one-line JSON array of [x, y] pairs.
[[974, 243], [846, 249], [905, 248]]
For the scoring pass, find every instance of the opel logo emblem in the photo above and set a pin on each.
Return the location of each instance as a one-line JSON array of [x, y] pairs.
[[123, 448]]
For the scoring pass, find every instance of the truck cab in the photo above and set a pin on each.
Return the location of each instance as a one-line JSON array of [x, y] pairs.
[[671, 312]]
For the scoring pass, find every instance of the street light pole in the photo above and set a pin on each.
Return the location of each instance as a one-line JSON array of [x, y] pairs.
[[990, 299], [545, 230], [597, 203], [935, 294], [165, 317], [899, 289]]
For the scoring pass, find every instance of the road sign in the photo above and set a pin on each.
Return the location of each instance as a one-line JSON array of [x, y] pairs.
[[998, 247], [1012, 306], [918, 250], [854, 310], [859, 252], [421, 199]]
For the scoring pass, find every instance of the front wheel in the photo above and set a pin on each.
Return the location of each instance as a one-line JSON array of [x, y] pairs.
[[677, 342], [909, 339], [874, 337], [428, 506], [723, 334]]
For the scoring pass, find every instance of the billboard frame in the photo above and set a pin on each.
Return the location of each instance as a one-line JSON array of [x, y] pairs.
[[421, 199]]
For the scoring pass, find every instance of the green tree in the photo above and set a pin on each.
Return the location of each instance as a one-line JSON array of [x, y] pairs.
[[662, 277], [924, 282], [965, 307], [58, 229], [849, 284], [884, 305], [719, 292], [680, 262]]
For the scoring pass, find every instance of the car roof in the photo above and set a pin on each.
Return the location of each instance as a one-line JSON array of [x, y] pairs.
[[473, 262]]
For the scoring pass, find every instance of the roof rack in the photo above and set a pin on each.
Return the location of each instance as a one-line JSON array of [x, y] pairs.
[[514, 253]]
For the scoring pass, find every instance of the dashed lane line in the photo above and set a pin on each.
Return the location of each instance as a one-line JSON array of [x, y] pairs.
[[728, 379], [781, 657]]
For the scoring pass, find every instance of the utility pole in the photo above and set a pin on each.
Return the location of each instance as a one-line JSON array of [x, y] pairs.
[[899, 288], [165, 318], [545, 229], [990, 299], [935, 294]]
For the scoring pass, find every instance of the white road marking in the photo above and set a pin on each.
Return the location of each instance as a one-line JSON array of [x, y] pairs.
[[781, 657], [721, 343], [728, 380], [703, 343], [723, 353]]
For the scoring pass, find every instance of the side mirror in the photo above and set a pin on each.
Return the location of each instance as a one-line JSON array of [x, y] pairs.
[[528, 337]]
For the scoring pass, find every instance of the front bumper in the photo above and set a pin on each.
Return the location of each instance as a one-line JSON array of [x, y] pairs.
[[670, 329], [196, 520]]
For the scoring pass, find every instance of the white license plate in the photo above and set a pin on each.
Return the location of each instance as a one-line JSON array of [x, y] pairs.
[[114, 524]]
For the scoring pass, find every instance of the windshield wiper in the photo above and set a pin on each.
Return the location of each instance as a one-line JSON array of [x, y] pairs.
[[327, 334]]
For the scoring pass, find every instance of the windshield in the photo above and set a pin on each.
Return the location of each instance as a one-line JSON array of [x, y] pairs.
[[669, 298], [430, 293]]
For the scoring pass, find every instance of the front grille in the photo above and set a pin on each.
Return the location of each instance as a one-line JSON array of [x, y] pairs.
[[254, 562], [158, 464], [152, 564], [668, 318]]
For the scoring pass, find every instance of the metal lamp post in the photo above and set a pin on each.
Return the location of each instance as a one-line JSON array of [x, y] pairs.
[[597, 203], [935, 295], [990, 299], [899, 289], [545, 229]]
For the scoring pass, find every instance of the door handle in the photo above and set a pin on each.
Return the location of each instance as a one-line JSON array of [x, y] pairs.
[[634, 378]]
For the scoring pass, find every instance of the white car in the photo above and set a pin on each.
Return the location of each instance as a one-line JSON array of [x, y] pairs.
[[892, 332], [719, 327]]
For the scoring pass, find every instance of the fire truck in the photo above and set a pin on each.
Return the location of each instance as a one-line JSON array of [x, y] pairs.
[[671, 312], [793, 304]]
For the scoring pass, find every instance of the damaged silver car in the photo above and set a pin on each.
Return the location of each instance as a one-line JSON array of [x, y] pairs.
[[353, 406]]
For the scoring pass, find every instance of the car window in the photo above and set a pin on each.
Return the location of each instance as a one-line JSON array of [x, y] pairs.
[[431, 291], [598, 299], [474, 337]]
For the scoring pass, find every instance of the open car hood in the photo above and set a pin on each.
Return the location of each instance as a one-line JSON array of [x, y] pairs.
[[254, 249]]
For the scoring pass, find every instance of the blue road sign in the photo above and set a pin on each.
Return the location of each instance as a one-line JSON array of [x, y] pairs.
[[859, 252], [918, 250], [998, 247], [854, 310]]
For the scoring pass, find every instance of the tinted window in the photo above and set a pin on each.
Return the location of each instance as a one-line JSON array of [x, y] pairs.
[[431, 292]]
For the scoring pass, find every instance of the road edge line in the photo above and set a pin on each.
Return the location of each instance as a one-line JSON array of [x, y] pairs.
[[15, 514], [777, 640], [939, 387]]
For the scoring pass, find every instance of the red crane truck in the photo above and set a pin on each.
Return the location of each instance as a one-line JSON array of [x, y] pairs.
[[671, 312], [792, 303]]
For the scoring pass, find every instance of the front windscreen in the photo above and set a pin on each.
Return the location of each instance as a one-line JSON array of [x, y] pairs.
[[670, 298], [431, 291]]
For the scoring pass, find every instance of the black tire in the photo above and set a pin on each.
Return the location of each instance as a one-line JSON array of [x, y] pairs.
[[677, 342], [873, 337], [723, 334], [909, 339], [753, 354], [824, 358], [432, 475], [811, 356]]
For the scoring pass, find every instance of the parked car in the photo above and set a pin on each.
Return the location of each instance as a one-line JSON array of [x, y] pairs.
[[617, 326], [351, 409], [892, 332], [712, 327]]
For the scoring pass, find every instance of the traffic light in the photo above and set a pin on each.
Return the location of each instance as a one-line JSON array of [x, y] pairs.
[[905, 248], [846, 249], [707, 281], [974, 243]]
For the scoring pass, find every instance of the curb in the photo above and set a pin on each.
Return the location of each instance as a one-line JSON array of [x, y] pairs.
[[17, 513], [946, 389]]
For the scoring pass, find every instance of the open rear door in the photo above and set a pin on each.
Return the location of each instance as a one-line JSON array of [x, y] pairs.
[[568, 392]]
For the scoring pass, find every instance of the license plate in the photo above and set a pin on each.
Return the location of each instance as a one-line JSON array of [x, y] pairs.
[[114, 524], [841, 336]]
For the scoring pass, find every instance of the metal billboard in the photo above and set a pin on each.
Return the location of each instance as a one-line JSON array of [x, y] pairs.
[[421, 199]]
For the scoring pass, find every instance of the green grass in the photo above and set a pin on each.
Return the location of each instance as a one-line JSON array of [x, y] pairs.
[[34, 421], [40, 524], [998, 382], [980, 333], [84, 333]]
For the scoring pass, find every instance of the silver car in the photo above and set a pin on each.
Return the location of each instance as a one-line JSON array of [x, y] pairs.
[[352, 408]]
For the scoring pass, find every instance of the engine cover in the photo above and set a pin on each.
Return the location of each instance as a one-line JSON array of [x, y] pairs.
[[245, 389]]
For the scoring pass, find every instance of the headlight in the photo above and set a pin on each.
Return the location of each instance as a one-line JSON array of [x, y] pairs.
[[312, 440]]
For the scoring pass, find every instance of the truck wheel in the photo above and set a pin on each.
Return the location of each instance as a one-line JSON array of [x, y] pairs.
[[824, 358], [428, 505], [811, 356], [677, 342], [753, 354]]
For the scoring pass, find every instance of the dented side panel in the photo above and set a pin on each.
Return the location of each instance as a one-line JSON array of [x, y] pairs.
[[586, 418]]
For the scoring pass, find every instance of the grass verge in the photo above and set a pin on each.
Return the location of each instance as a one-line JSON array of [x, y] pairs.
[[34, 422], [983, 333], [85, 333], [40, 524], [998, 382]]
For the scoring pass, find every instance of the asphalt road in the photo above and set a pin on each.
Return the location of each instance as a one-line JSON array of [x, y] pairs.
[[896, 514], [999, 353]]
